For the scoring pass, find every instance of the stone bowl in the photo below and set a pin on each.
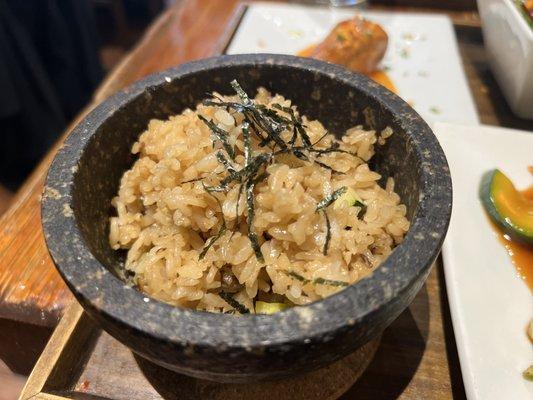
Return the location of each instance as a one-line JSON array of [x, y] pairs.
[[85, 175]]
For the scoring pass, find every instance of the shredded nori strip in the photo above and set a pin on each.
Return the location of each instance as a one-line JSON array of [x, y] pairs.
[[362, 211], [297, 125], [193, 180], [261, 177], [328, 234], [225, 162], [272, 128], [251, 213], [297, 276], [303, 134], [220, 134], [200, 178], [247, 143], [249, 170], [254, 116], [330, 282], [321, 206], [274, 115], [320, 139], [326, 166], [234, 303], [221, 231], [267, 125], [240, 92], [328, 200], [243, 174], [251, 112], [334, 148], [211, 241], [237, 219], [317, 281]]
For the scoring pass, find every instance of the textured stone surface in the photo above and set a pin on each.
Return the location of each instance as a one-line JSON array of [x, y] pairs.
[[85, 175]]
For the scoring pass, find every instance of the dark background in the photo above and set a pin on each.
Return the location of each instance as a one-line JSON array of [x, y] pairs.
[[53, 54]]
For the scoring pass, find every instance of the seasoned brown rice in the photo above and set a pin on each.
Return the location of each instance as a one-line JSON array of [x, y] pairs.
[[164, 221]]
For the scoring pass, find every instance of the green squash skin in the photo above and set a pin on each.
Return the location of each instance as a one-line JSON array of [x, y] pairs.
[[485, 195]]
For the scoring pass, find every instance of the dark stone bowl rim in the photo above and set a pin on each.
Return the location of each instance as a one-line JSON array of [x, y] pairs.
[[349, 307]]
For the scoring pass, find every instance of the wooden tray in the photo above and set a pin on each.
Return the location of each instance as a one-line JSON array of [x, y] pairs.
[[82, 362]]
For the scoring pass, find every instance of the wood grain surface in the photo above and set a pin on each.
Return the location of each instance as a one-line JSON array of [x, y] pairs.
[[418, 359], [414, 360]]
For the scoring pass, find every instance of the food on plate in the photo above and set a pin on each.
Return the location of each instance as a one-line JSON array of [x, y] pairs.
[[357, 44], [526, 7], [246, 206], [509, 208], [528, 373], [512, 213]]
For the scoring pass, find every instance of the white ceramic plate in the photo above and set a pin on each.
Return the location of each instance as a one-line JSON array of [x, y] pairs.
[[422, 57], [490, 304]]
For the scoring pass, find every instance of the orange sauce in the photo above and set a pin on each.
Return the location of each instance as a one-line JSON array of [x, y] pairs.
[[521, 255], [377, 76], [383, 79], [307, 51]]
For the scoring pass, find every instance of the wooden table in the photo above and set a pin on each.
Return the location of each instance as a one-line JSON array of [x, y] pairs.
[[424, 365]]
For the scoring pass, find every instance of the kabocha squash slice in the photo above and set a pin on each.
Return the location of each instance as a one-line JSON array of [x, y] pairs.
[[506, 206]]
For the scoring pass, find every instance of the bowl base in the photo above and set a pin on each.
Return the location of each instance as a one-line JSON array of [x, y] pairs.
[[327, 383]]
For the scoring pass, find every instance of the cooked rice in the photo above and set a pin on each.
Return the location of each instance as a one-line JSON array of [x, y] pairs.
[[164, 221]]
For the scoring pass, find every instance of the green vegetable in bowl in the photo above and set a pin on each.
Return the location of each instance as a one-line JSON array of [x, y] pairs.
[[262, 307], [350, 197]]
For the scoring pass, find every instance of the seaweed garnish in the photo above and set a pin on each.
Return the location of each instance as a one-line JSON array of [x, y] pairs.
[[266, 124], [273, 114], [330, 282], [223, 228], [193, 180], [228, 298], [362, 211], [321, 206], [246, 173], [320, 138], [211, 241], [221, 158], [237, 219], [297, 277], [220, 134], [316, 281], [298, 128], [328, 233], [251, 214], [326, 166], [255, 117], [334, 148], [328, 200], [247, 143], [240, 92]]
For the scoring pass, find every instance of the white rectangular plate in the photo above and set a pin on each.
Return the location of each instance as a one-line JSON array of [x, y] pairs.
[[422, 56], [490, 305]]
